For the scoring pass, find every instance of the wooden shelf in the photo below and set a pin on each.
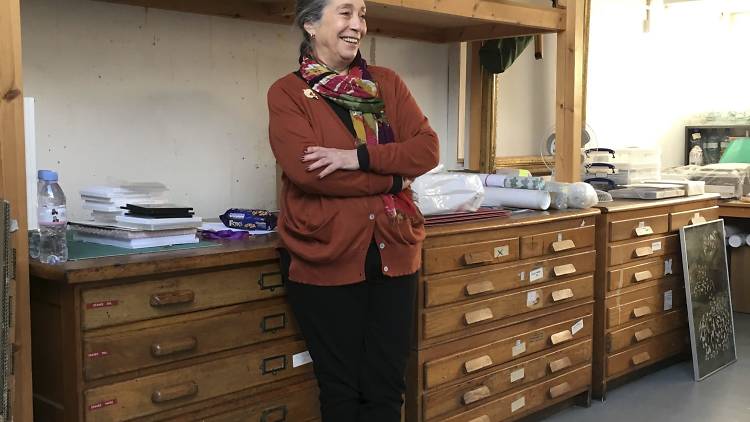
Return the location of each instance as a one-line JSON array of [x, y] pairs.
[[439, 21]]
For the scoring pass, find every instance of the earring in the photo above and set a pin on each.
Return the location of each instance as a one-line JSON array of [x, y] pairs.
[[312, 36]]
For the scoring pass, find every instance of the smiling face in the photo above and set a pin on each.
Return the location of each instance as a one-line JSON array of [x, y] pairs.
[[339, 32]]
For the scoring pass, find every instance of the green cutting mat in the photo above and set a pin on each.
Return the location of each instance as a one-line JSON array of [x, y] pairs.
[[85, 250]]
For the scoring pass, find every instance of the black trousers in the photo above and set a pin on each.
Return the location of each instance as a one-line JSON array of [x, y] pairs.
[[359, 339]]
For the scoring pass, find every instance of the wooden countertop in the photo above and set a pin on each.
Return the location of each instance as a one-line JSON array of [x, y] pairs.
[[634, 204], [229, 252], [254, 249]]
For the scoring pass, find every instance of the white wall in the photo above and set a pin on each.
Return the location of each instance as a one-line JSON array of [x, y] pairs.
[[526, 101], [127, 93], [644, 87]]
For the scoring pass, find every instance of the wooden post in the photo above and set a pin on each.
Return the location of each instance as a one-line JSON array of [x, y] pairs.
[[489, 123], [13, 189], [569, 94], [472, 162]]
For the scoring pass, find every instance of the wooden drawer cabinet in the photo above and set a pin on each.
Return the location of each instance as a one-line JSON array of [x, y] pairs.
[[470, 255], [442, 289], [132, 342], [165, 390], [650, 351], [519, 373], [507, 328], [172, 295], [623, 338], [521, 403], [115, 351], [453, 319], [632, 275], [639, 286]]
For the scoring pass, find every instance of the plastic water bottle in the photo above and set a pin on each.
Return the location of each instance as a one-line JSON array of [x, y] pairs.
[[53, 247]]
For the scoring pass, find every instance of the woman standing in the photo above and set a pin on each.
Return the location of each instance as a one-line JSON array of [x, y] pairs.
[[349, 138]]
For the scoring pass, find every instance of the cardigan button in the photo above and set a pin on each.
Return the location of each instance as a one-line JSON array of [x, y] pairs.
[[372, 216], [382, 245], [385, 269]]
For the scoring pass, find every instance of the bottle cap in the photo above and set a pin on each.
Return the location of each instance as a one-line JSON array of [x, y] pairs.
[[47, 175]]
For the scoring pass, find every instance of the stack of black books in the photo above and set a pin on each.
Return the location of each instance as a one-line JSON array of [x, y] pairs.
[[158, 211]]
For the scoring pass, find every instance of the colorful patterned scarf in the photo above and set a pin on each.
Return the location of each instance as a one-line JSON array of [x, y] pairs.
[[358, 93]]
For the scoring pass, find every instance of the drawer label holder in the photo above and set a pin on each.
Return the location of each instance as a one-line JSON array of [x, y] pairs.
[[102, 404]]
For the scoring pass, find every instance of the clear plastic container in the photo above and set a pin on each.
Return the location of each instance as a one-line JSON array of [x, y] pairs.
[[53, 246]]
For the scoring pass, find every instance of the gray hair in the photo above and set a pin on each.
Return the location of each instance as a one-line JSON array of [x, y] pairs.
[[308, 11]]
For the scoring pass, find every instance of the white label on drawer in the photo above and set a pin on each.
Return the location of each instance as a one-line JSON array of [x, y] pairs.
[[667, 300], [102, 404], [502, 251], [578, 326], [536, 274], [518, 374], [532, 298], [519, 348], [656, 246], [518, 403], [522, 275], [301, 359], [668, 266]]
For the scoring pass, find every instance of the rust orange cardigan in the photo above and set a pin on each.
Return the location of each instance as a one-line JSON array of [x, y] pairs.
[[327, 224]]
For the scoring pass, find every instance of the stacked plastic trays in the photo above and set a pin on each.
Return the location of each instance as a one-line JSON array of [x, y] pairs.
[[608, 168]]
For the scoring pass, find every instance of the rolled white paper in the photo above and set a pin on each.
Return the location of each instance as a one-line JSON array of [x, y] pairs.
[[497, 180], [736, 240], [516, 198]]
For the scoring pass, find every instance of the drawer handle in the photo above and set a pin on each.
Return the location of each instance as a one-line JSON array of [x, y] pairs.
[[562, 270], [273, 365], [279, 411], [641, 311], [272, 323], [170, 347], [559, 390], [641, 231], [562, 294], [561, 337], [644, 251], [478, 316], [642, 276], [477, 394], [643, 334], [472, 258], [176, 297], [270, 281], [697, 219], [560, 364], [477, 364], [640, 358], [174, 392], [483, 418], [479, 287], [563, 245]]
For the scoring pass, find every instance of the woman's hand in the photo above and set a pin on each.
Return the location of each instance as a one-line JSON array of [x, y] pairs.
[[331, 158]]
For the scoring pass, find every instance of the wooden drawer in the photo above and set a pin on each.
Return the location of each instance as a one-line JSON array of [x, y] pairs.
[[623, 338], [678, 220], [632, 251], [557, 241], [638, 227], [106, 306], [286, 404], [143, 345], [523, 402], [442, 289], [651, 351], [477, 360], [471, 255], [513, 375], [457, 318], [645, 303], [644, 271], [168, 390]]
